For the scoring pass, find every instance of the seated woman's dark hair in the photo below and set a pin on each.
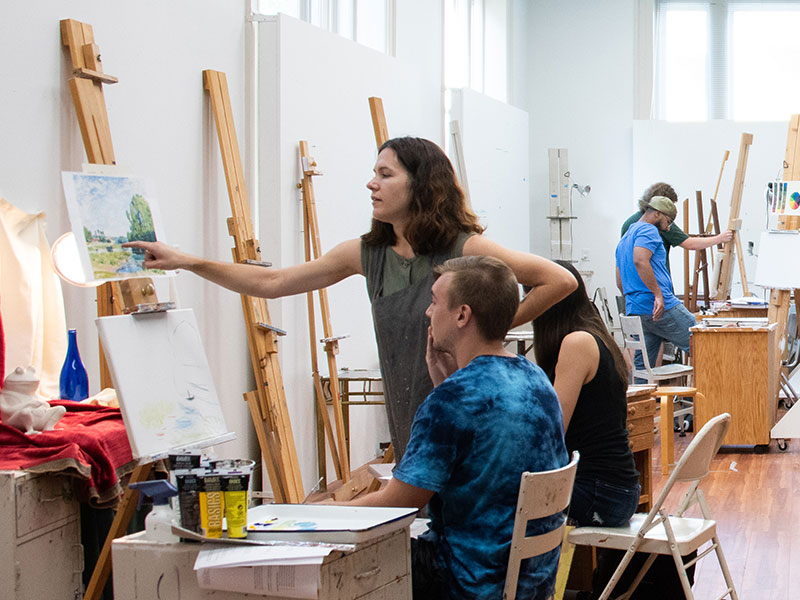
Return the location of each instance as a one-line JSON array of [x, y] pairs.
[[438, 209], [576, 312]]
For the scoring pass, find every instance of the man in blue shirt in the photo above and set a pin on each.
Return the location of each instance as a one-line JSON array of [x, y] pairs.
[[643, 278], [491, 416]]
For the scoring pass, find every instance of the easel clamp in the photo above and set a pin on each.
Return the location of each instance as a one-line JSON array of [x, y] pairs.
[[309, 166], [269, 327]]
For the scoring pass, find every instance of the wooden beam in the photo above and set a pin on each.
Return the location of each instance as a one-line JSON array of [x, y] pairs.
[[378, 121]]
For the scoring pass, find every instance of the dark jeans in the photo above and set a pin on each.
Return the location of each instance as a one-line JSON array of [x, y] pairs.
[[596, 502], [427, 576]]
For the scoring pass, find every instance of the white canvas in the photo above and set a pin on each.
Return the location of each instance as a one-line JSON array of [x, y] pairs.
[[163, 382], [104, 212], [777, 256]]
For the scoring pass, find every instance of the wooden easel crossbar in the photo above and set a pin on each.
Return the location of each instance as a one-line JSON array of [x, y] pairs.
[[267, 403]]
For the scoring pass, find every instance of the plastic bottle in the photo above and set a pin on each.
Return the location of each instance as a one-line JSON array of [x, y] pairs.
[[159, 521], [73, 383]]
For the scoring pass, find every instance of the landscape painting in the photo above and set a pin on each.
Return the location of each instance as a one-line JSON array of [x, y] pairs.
[[106, 211]]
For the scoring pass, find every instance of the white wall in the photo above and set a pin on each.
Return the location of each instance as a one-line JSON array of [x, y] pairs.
[[495, 148], [580, 97], [161, 127]]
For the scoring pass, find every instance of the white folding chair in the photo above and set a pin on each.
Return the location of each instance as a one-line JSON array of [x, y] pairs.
[[658, 533], [634, 340], [540, 495]]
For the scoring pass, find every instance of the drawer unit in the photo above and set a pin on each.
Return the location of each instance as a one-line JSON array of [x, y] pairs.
[[40, 537], [379, 569]]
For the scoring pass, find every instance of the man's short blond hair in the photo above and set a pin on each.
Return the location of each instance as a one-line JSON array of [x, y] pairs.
[[488, 286]]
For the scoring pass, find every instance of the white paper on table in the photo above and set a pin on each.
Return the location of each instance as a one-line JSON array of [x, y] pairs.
[[287, 581], [238, 556]]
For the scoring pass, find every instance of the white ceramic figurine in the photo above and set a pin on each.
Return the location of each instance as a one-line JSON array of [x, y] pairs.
[[19, 406]]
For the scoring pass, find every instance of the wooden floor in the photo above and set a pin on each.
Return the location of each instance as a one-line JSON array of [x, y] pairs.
[[755, 499]]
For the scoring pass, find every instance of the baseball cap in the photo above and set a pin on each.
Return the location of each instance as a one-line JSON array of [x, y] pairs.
[[664, 205]]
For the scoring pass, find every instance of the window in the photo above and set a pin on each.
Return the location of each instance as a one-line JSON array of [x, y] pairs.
[[476, 46], [726, 59], [368, 22]]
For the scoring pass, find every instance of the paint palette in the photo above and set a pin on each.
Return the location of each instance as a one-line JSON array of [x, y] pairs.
[[325, 522]]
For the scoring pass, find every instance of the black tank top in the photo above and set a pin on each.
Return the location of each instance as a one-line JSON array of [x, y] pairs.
[[598, 427]]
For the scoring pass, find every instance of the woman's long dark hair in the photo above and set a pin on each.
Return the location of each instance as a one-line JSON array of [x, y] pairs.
[[438, 209], [574, 313]]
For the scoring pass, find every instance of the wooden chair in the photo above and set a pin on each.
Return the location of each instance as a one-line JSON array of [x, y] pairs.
[[658, 533], [540, 495]]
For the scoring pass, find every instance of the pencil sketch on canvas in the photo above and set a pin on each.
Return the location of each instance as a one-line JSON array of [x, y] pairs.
[[163, 381], [106, 211]]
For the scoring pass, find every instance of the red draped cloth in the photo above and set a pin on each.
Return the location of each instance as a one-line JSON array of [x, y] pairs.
[[89, 444]]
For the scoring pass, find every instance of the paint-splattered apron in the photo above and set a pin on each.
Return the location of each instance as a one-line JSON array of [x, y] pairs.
[[401, 332]]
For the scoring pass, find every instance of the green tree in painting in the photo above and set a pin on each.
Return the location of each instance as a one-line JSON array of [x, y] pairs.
[[141, 221], [87, 235]]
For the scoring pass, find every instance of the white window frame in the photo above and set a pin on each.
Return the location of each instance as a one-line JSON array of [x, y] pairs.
[[325, 14], [648, 85]]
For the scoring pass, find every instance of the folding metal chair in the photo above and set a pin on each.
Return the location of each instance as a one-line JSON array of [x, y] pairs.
[[658, 533]]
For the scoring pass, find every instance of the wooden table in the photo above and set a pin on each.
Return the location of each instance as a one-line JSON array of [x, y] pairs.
[[737, 312], [357, 387], [641, 420], [736, 369]]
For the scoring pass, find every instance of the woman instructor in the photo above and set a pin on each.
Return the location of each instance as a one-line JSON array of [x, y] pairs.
[[419, 220]]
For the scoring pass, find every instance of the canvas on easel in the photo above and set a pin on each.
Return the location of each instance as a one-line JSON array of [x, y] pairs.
[[163, 381], [106, 211]]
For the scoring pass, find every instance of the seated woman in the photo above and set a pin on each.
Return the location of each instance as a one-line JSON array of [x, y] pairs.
[[590, 376]]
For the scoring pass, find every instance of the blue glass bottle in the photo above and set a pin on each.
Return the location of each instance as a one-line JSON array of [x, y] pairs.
[[74, 383]]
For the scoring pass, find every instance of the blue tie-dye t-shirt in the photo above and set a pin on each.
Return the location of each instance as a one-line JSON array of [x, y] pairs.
[[471, 440]]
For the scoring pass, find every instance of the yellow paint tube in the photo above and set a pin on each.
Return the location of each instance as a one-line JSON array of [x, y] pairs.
[[211, 504], [235, 484]]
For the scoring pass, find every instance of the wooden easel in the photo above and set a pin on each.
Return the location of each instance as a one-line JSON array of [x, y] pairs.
[[86, 87], [723, 287], [712, 226], [340, 453], [688, 292], [267, 403], [700, 262], [381, 137]]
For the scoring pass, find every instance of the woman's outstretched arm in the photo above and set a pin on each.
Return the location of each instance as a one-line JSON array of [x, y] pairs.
[[337, 264], [551, 283]]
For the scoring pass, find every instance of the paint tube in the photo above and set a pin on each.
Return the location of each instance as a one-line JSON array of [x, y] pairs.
[[235, 486], [189, 483], [211, 504], [188, 459], [235, 482]]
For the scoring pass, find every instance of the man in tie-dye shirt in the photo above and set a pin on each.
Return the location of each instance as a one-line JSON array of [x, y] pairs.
[[491, 416]]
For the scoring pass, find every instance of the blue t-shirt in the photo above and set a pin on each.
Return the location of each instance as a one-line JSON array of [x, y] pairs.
[[639, 299], [471, 440]]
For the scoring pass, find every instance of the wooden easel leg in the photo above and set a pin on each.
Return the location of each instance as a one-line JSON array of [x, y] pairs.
[[118, 528]]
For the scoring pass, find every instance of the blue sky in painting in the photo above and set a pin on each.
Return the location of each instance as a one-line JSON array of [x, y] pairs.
[[103, 200]]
